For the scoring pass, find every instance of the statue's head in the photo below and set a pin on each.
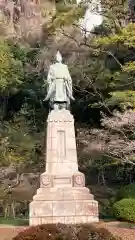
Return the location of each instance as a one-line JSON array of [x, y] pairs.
[[58, 57]]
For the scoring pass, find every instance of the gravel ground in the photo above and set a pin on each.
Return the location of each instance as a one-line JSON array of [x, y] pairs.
[[123, 230]]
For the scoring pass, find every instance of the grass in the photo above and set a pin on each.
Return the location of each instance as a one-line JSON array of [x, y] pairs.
[[14, 221]]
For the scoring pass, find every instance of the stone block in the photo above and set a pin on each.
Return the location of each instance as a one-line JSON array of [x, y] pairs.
[[81, 219], [69, 220], [49, 194], [73, 194], [49, 144], [58, 219], [93, 219], [41, 209], [70, 131], [86, 208], [34, 221], [51, 156], [71, 144], [54, 143], [64, 208], [66, 168], [54, 132], [46, 220], [61, 144], [62, 196], [61, 115], [72, 155], [49, 131]]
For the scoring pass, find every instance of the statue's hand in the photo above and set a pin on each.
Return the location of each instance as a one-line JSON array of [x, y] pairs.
[[46, 99], [72, 98]]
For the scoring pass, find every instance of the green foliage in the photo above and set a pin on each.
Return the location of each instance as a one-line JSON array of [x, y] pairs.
[[19, 51], [14, 221], [124, 209], [64, 232], [126, 37], [105, 209], [16, 145], [11, 69], [102, 68], [129, 67], [123, 99], [20, 140], [116, 49], [127, 191], [66, 16], [61, 8]]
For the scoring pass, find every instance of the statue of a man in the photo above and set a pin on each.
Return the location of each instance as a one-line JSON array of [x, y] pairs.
[[59, 85]]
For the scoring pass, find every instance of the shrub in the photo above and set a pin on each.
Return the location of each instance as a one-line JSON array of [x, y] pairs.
[[65, 232], [105, 209], [127, 191], [91, 232], [41, 232], [125, 209]]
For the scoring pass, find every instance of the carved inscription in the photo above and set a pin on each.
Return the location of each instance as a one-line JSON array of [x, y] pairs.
[[61, 143]]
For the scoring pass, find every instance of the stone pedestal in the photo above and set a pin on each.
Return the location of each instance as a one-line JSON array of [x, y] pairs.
[[62, 196]]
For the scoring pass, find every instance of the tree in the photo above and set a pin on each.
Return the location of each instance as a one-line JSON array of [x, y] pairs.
[[103, 74], [11, 70], [102, 68]]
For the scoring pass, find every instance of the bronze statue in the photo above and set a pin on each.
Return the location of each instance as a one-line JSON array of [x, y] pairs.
[[59, 85]]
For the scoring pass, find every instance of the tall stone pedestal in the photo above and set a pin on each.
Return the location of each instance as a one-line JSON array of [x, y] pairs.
[[62, 196]]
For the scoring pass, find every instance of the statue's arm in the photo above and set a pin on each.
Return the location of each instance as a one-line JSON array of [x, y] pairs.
[[50, 76], [68, 76], [49, 84], [47, 81], [69, 84]]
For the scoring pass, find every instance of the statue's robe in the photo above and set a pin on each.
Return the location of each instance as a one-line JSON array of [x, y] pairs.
[[59, 83]]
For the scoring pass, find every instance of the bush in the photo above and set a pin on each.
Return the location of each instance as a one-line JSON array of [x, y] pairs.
[[105, 209], [65, 232], [90, 232], [127, 191], [125, 209]]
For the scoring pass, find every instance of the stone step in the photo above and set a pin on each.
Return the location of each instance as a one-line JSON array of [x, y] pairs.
[[50, 194], [64, 219], [63, 208]]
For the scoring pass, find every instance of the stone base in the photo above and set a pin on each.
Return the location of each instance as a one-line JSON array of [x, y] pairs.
[[63, 199], [64, 220], [62, 196]]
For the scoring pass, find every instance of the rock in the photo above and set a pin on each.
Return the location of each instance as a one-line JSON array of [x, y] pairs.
[[25, 18]]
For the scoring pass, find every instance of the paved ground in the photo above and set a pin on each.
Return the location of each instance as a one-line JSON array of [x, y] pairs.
[[123, 230], [126, 231], [7, 232]]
